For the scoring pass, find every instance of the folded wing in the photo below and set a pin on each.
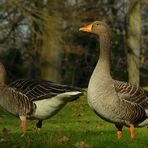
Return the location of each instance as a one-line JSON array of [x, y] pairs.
[[41, 89], [131, 93]]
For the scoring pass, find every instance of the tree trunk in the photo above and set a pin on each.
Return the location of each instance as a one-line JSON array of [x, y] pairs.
[[51, 59], [50, 54], [46, 42], [133, 41]]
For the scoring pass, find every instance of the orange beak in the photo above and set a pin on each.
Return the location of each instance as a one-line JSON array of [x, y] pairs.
[[87, 28]]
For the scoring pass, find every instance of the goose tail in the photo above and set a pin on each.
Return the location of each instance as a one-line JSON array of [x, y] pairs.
[[70, 96]]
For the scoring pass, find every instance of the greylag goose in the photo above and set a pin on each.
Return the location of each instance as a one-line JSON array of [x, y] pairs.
[[34, 99], [114, 101]]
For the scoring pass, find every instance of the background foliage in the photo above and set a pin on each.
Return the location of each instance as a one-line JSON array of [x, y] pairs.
[[41, 39]]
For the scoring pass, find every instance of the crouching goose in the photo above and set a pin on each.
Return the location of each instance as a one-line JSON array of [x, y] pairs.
[[34, 99], [114, 101]]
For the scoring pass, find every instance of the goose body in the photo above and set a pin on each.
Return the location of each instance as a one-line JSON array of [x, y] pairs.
[[34, 99], [48, 97], [114, 101]]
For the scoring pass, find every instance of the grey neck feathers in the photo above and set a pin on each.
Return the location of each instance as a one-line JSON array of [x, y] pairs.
[[103, 65]]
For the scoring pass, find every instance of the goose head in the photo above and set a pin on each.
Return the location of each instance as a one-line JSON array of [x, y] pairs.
[[2, 74], [98, 27]]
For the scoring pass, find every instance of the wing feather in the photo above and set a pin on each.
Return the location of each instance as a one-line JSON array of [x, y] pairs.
[[131, 93], [41, 89]]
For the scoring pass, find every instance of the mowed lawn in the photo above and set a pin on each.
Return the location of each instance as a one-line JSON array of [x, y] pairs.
[[74, 126]]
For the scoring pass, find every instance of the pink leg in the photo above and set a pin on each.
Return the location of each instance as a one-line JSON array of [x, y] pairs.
[[132, 131], [23, 124], [119, 134]]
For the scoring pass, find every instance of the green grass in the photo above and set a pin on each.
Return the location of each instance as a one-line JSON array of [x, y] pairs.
[[74, 126]]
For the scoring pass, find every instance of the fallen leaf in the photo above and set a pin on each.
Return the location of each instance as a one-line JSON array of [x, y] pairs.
[[81, 144], [63, 139]]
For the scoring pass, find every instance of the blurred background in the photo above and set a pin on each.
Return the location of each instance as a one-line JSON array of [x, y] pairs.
[[41, 39]]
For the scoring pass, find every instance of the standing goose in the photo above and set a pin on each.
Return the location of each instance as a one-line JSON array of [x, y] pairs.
[[34, 99], [114, 101]]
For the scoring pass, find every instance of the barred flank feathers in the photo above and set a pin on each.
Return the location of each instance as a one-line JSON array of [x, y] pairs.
[[131, 93], [25, 106]]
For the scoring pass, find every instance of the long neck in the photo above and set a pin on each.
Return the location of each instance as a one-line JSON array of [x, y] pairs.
[[103, 65]]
